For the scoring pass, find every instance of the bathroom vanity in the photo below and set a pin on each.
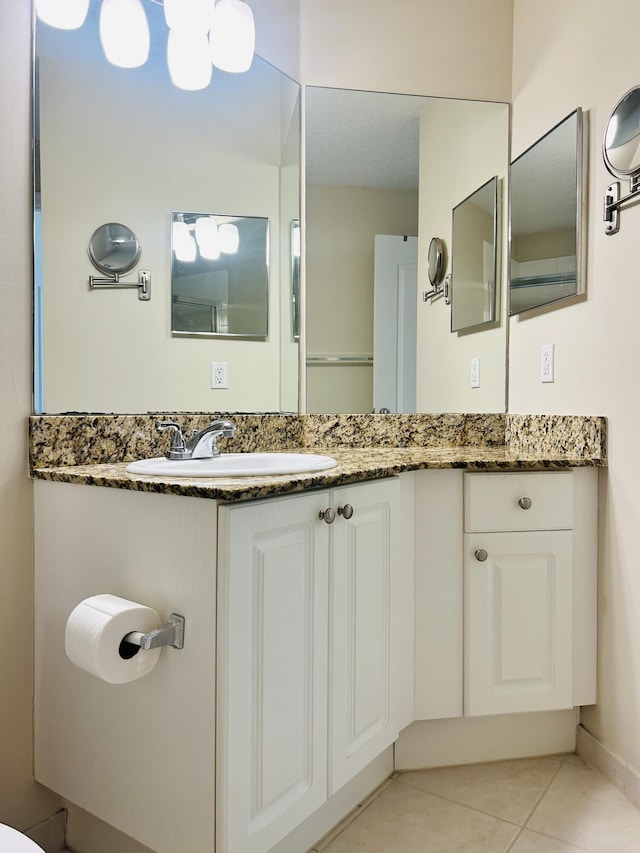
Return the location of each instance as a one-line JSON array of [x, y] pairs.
[[442, 587]]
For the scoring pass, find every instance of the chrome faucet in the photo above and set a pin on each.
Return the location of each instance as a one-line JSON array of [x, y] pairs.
[[202, 445]]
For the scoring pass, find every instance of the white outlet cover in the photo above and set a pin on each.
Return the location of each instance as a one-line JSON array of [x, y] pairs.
[[219, 375], [475, 372], [547, 362]]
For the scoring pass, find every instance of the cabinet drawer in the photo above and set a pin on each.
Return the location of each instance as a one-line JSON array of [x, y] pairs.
[[495, 502]]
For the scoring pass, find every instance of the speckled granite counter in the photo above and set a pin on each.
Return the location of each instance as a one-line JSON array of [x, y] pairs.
[[95, 449]]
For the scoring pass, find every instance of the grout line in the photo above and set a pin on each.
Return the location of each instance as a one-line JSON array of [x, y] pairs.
[[353, 815], [561, 764], [454, 802]]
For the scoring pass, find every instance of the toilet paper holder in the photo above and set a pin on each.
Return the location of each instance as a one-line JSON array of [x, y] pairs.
[[169, 634]]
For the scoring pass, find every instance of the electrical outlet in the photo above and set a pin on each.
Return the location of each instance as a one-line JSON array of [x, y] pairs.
[[547, 362], [475, 371], [219, 377]]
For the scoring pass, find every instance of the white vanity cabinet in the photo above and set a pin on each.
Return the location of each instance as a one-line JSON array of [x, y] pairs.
[[309, 646], [518, 591], [314, 651], [519, 588]]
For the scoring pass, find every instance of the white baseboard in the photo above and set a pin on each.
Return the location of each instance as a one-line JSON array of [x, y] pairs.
[[614, 769], [474, 740]]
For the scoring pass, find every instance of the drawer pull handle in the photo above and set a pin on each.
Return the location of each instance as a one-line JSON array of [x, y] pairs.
[[525, 503], [345, 511], [328, 515], [481, 555]]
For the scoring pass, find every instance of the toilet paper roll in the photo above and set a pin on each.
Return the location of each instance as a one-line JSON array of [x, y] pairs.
[[95, 631]]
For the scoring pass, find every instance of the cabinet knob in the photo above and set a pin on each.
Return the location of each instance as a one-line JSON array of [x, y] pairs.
[[328, 515], [346, 511], [481, 555], [525, 503]]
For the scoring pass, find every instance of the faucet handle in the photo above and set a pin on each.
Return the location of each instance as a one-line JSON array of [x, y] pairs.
[[178, 449]]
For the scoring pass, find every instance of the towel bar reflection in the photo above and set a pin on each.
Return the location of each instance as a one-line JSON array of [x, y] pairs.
[[113, 281]]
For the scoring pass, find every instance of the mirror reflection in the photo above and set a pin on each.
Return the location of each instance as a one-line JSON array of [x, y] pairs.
[[385, 169], [234, 147], [125, 145], [437, 261], [622, 139], [219, 275], [548, 218], [295, 280], [474, 256], [114, 248]]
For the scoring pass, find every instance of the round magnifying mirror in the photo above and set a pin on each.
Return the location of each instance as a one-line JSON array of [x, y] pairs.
[[621, 147], [437, 261], [114, 248]]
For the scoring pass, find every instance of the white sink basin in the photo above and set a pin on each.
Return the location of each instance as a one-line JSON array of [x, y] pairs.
[[234, 465]]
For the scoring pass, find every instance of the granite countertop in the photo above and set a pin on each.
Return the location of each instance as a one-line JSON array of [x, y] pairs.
[[354, 465]]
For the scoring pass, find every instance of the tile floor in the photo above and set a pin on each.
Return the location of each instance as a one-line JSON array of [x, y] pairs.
[[539, 805]]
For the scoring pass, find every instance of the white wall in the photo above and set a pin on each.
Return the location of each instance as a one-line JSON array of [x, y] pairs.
[[567, 54], [457, 48], [22, 802]]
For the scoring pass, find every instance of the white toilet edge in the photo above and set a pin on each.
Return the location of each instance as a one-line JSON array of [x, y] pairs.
[[12, 841]]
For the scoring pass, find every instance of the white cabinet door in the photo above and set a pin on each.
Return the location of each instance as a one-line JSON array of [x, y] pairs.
[[272, 670], [518, 622], [368, 611]]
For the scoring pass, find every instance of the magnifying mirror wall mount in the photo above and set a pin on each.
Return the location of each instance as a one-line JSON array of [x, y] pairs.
[[114, 250], [621, 155], [439, 290], [437, 265], [613, 202], [143, 283]]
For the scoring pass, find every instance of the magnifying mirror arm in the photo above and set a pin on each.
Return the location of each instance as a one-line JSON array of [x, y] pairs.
[[613, 202], [439, 290], [143, 283]]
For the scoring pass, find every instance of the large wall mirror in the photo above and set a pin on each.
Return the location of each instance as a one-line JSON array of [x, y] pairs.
[[548, 218], [118, 145], [383, 174], [125, 145]]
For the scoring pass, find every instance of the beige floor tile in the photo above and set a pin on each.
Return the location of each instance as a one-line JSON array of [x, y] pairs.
[[533, 842], [404, 819], [504, 789], [582, 808]]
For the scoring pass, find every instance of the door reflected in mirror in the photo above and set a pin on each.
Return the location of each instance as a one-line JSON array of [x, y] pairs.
[[219, 275], [474, 258], [548, 218]]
